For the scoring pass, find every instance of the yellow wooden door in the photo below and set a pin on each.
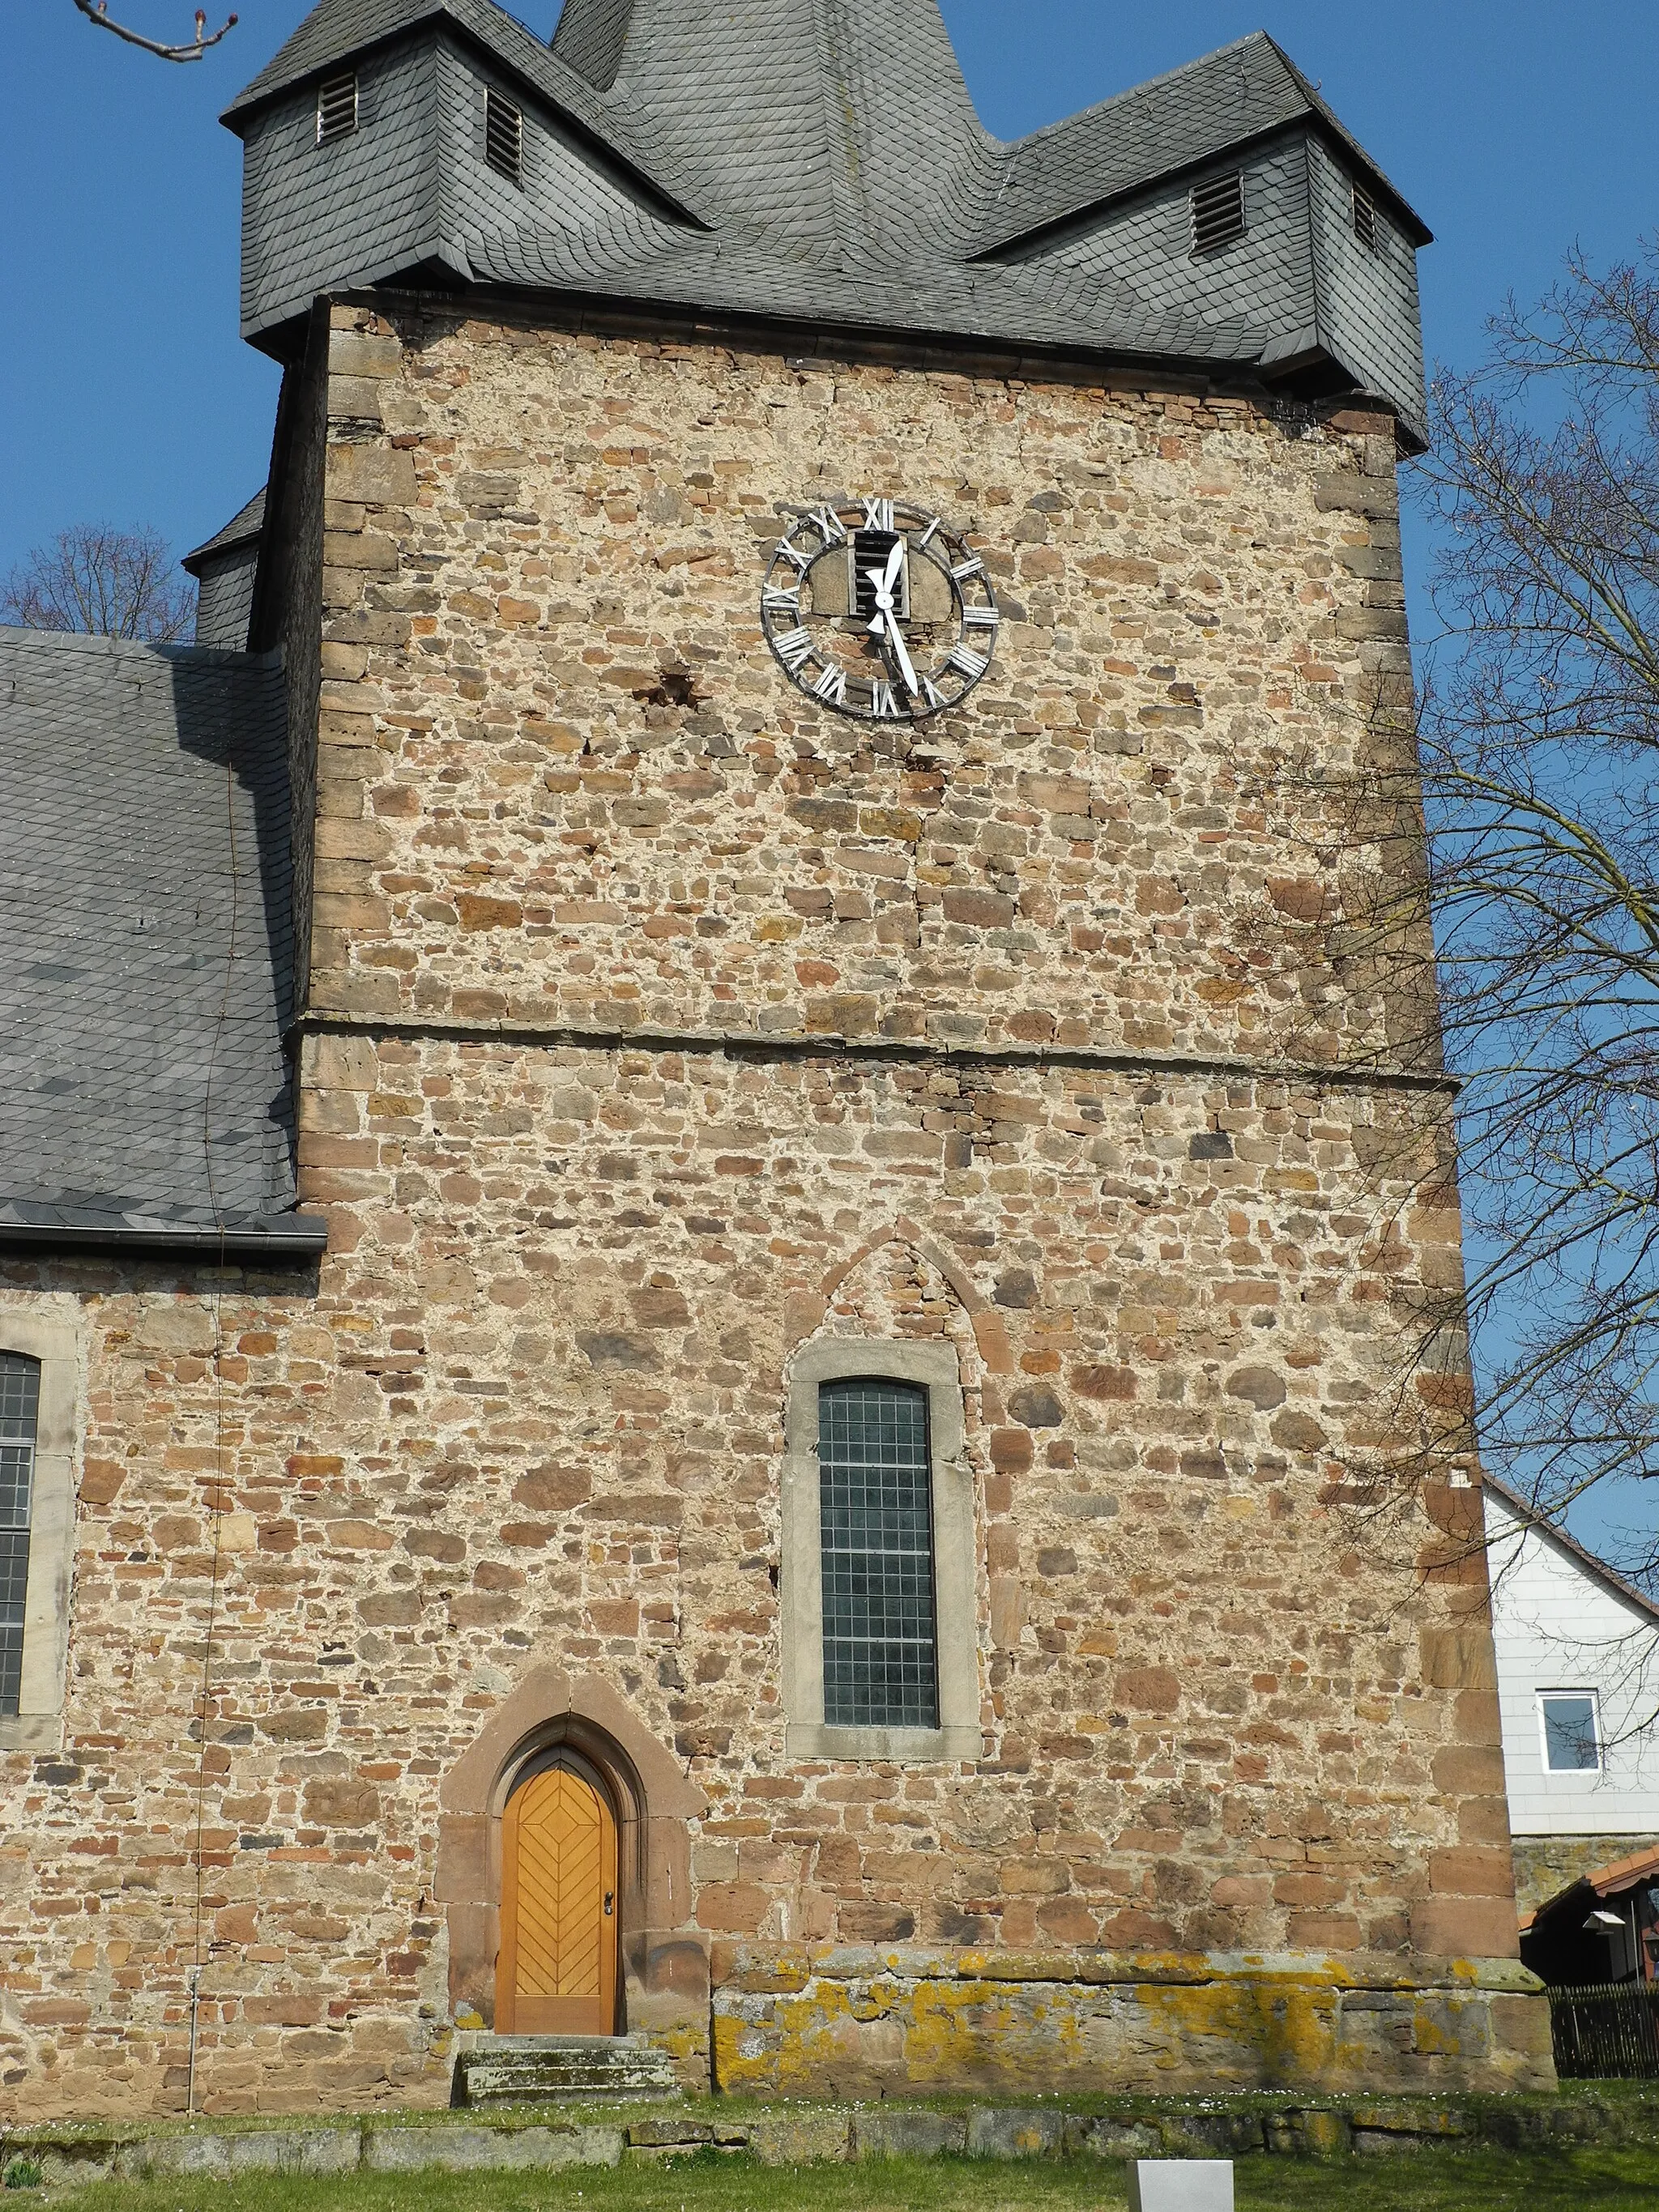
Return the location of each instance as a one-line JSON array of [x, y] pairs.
[[556, 1971]]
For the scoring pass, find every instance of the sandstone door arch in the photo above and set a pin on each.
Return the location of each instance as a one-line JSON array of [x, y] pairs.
[[556, 1972], [662, 1970]]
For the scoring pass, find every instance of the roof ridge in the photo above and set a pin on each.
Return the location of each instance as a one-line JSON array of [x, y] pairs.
[[849, 186], [591, 37], [1598, 1881], [1618, 1871], [243, 527], [1315, 97]]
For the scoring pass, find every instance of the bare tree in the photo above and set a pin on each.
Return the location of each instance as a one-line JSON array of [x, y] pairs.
[[191, 49], [112, 583], [1539, 721]]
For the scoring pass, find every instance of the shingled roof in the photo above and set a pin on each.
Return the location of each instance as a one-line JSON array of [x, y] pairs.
[[336, 29], [243, 529], [821, 161], [144, 911], [1217, 104]]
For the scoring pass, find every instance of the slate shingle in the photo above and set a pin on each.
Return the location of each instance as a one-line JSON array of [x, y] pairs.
[[144, 940], [337, 29], [1225, 101], [244, 526]]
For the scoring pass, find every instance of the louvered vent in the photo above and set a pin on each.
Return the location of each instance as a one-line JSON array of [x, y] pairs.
[[1218, 212], [336, 107], [503, 135], [1364, 218]]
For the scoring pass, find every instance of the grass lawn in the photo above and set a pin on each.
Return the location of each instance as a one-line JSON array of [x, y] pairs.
[[1431, 2181]]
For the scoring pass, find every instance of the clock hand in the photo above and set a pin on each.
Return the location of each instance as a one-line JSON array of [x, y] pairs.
[[896, 638], [886, 623], [895, 635]]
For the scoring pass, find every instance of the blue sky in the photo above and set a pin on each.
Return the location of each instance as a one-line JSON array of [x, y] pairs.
[[1517, 129]]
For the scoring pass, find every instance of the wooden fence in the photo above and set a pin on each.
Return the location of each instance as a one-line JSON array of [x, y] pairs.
[[1606, 2031]]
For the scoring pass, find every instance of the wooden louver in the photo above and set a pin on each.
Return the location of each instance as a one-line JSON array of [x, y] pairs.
[[1218, 212], [336, 107], [1364, 218], [503, 135]]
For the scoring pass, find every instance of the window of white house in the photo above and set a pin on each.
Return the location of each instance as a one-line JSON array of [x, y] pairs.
[[20, 1413], [1572, 1731], [880, 1628]]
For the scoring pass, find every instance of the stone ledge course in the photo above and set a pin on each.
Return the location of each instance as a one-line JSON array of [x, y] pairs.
[[1606, 2117]]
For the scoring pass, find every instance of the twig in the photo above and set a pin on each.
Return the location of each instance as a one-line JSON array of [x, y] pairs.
[[97, 11]]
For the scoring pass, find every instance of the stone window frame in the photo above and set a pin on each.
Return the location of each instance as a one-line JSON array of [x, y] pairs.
[[38, 1723], [934, 1368]]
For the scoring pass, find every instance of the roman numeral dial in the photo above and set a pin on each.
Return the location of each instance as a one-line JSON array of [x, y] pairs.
[[877, 609]]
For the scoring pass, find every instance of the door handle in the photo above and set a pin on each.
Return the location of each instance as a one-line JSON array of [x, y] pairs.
[[610, 1901]]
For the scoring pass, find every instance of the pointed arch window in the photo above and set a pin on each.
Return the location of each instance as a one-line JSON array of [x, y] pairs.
[[880, 1556], [19, 1416], [39, 1360]]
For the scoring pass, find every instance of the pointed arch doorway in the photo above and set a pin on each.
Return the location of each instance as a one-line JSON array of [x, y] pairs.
[[556, 1972]]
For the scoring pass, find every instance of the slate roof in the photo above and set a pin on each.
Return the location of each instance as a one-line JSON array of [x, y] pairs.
[[821, 160], [244, 526], [336, 28], [1172, 123], [145, 927]]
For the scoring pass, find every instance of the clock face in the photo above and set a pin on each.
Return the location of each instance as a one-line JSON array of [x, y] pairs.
[[875, 609]]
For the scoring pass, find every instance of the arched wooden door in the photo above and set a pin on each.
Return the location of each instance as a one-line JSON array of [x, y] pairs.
[[555, 1973]]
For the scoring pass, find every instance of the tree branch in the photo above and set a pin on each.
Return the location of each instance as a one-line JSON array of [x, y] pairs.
[[97, 11]]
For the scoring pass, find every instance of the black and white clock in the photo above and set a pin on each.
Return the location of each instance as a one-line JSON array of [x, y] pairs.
[[875, 609]]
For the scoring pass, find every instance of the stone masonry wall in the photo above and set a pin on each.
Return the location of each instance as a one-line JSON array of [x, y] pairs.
[[1236, 1687], [535, 1412], [565, 783], [1545, 1865]]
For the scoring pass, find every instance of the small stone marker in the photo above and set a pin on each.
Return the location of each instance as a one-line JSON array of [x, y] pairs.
[[1181, 2184]]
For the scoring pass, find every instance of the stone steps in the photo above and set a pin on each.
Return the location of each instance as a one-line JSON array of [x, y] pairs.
[[535, 2069]]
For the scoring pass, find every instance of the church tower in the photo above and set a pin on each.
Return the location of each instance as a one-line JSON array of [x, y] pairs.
[[857, 1500]]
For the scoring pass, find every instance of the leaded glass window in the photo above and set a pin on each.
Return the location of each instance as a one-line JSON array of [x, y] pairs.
[[19, 1405], [876, 1541]]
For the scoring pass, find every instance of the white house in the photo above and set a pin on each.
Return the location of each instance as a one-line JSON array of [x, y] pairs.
[[1578, 1650]]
